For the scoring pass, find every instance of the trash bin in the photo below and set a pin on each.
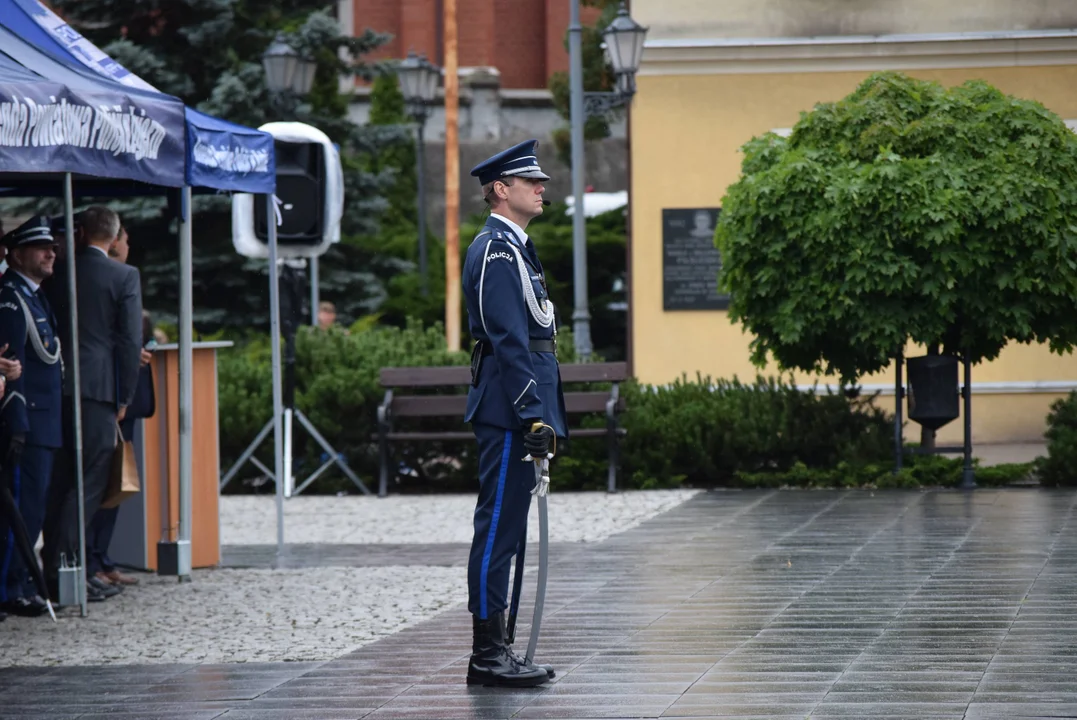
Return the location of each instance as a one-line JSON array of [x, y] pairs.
[[933, 394]]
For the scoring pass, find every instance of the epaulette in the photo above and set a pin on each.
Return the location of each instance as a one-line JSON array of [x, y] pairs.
[[494, 235]]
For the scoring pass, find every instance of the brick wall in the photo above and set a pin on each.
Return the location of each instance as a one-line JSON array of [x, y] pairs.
[[521, 43], [381, 15], [476, 32], [523, 39], [420, 27]]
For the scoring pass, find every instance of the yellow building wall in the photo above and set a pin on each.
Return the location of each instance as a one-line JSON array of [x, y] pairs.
[[685, 140]]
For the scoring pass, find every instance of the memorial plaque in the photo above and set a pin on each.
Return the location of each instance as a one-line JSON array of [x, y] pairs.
[[690, 261]]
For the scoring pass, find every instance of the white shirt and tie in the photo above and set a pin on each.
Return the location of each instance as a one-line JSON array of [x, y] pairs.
[[516, 229]]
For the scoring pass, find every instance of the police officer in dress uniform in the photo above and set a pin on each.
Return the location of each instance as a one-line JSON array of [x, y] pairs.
[[515, 403], [30, 422]]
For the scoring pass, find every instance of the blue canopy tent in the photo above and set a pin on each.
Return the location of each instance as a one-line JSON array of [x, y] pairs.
[[220, 155], [58, 119], [202, 152]]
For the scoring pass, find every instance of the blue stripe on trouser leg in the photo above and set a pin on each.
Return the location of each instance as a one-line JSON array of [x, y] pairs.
[[505, 483], [492, 532], [9, 550]]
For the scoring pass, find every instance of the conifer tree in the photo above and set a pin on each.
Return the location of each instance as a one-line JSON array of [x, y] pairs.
[[208, 53]]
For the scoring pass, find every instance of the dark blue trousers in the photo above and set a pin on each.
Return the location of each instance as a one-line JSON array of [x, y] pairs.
[[31, 485], [505, 484]]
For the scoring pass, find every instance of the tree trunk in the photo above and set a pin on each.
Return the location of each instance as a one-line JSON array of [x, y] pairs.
[[927, 435]]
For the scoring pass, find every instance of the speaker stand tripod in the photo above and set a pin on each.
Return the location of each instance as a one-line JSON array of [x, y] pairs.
[[291, 311], [289, 481]]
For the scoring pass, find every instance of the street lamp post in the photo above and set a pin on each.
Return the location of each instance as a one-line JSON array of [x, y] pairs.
[[419, 85], [624, 49], [287, 72]]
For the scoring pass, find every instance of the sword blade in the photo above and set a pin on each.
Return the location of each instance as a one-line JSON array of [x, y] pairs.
[[544, 556]]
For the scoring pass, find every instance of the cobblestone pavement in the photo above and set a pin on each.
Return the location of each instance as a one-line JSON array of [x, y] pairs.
[[760, 604], [237, 615], [427, 519]]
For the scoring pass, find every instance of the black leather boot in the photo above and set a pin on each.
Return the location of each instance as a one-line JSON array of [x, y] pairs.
[[491, 664], [522, 660]]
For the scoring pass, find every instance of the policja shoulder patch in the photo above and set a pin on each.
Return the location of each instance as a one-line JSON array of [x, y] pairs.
[[499, 255]]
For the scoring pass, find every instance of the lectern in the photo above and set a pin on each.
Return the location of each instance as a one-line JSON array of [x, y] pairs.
[[153, 514]]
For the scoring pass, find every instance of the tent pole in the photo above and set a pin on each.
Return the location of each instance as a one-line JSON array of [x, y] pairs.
[[76, 400], [274, 345], [314, 299], [186, 395]]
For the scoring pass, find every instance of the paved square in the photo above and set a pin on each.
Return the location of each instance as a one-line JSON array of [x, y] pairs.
[[761, 604]]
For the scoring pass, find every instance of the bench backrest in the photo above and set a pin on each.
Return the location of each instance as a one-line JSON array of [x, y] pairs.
[[426, 377], [454, 405], [450, 405]]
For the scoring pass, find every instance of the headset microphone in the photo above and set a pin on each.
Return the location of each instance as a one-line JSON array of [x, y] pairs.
[[546, 203]]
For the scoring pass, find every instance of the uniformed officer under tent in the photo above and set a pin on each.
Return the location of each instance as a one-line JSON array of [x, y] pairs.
[[79, 127]]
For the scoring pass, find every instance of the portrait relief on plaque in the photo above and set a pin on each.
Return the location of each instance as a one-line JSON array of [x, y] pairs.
[[690, 261]]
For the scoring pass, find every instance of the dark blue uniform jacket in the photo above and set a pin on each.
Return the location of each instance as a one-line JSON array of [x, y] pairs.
[[514, 384], [31, 404]]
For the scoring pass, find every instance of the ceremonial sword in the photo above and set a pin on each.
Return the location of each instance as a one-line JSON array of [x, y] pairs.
[[541, 489]]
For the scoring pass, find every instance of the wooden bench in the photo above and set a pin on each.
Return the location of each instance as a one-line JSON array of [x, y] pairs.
[[396, 405]]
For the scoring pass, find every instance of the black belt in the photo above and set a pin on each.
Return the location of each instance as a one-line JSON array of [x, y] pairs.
[[535, 345]]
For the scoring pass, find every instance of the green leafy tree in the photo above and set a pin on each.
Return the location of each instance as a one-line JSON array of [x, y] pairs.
[[597, 76], [905, 212]]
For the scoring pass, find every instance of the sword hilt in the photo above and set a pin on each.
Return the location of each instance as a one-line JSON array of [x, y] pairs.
[[538, 425]]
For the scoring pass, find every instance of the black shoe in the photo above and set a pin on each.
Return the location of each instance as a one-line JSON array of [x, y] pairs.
[[24, 607], [491, 664], [38, 600], [522, 660], [3, 616], [103, 587], [95, 595]]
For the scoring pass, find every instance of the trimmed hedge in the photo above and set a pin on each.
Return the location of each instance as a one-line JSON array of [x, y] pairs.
[[705, 433], [1059, 468], [699, 433]]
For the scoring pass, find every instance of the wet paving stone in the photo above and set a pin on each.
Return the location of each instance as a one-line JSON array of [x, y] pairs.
[[736, 604]]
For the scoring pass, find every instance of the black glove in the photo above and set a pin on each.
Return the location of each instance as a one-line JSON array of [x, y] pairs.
[[538, 438]]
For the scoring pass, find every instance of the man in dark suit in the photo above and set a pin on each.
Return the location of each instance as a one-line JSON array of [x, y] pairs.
[[103, 523], [109, 300], [30, 427]]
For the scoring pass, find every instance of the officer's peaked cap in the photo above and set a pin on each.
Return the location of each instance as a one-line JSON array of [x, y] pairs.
[[35, 231], [518, 161]]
